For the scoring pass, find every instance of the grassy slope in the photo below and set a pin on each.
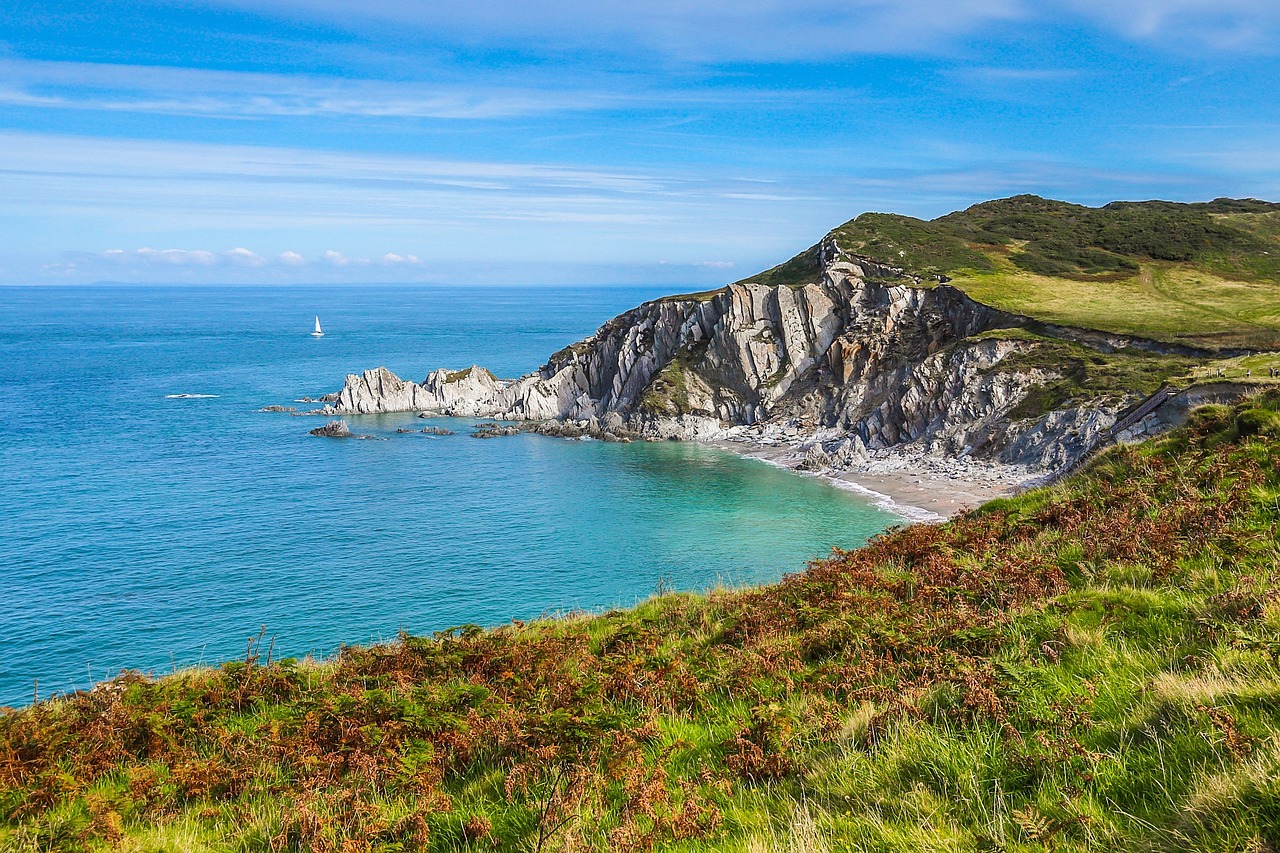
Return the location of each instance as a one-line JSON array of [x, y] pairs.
[[1162, 301], [1092, 666], [1202, 273]]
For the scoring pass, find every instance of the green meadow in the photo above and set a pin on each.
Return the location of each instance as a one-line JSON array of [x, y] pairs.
[[1207, 274]]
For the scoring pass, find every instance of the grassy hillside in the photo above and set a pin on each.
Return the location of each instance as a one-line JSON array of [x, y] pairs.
[[1201, 273], [1092, 666]]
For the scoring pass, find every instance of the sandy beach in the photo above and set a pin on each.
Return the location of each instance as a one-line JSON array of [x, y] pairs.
[[914, 486]]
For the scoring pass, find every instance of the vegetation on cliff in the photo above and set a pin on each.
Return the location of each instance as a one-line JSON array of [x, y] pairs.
[[1086, 374], [1205, 273], [1090, 666]]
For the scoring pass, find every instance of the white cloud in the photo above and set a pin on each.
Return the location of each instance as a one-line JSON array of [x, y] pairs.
[[242, 257], [393, 259], [148, 257], [162, 257], [236, 265], [232, 264], [715, 265]]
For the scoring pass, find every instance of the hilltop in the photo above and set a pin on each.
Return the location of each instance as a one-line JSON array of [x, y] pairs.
[[1089, 666], [1207, 273]]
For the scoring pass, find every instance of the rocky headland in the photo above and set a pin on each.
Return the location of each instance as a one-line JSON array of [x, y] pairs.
[[865, 374]]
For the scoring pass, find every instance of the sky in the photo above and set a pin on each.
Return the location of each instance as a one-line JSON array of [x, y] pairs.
[[603, 142]]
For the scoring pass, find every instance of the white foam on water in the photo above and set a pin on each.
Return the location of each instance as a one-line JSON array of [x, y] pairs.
[[883, 501], [191, 396], [878, 499]]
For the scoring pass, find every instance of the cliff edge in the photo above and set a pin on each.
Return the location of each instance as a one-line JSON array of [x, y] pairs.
[[864, 359]]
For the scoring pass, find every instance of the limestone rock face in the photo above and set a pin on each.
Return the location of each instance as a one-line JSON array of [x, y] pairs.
[[469, 393], [865, 356]]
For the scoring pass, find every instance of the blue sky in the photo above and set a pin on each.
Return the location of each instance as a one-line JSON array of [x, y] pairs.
[[592, 142]]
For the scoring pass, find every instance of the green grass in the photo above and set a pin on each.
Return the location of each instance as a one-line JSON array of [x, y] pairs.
[[923, 248], [1163, 303], [458, 375], [700, 296], [1205, 274], [667, 393], [1253, 369], [1061, 239], [1092, 666], [802, 269]]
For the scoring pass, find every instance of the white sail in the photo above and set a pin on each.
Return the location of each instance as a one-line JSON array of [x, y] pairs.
[[318, 333]]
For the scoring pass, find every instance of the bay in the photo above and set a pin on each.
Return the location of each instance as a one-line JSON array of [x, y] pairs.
[[149, 531]]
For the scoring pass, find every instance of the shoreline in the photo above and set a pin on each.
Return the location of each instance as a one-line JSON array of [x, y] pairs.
[[914, 486]]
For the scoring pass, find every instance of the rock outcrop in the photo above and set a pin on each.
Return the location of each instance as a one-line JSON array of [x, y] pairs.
[[333, 429], [860, 360]]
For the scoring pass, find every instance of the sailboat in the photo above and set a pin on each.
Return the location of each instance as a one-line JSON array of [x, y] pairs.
[[318, 333]]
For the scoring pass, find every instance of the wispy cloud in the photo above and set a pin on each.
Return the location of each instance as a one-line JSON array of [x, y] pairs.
[[282, 171], [246, 95], [1221, 25], [1004, 75], [1251, 151], [480, 97], [252, 213], [708, 31], [768, 30]]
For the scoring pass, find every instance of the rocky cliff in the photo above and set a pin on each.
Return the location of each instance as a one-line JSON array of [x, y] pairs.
[[863, 358]]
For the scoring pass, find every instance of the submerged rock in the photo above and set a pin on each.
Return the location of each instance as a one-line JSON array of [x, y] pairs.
[[277, 409], [424, 431], [495, 430]]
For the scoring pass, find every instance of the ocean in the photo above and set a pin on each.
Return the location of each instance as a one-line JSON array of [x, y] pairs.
[[151, 531]]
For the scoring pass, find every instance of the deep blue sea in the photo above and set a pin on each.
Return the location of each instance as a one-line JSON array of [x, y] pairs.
[[149, 532]]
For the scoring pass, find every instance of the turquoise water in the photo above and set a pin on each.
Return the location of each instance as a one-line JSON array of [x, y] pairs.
[[148, 532]]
